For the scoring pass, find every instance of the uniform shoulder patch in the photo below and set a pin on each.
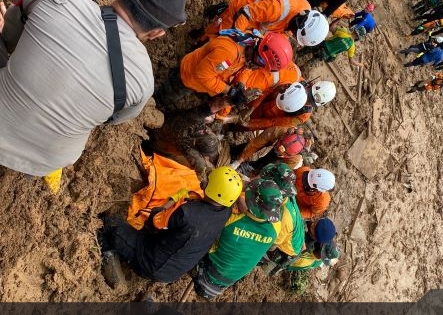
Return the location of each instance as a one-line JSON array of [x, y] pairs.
[[222, 66]]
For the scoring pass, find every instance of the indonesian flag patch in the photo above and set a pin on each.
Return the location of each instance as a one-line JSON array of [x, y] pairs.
[[223, 65]]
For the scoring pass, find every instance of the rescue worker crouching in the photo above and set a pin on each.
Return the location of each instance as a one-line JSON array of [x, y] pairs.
[[312, 187], [288, 144], [290, 240], [319, 248], [364, 18], [244, 240], [308, 27], [173, 240], [209, 68], [287, 106], [342, 40]]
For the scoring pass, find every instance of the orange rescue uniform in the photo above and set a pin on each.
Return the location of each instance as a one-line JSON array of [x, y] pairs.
[[266, 114], [264, 15], [209, 68], [311, 204], [266, 80]]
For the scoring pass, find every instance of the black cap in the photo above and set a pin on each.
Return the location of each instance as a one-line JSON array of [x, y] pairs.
[[166, 12]]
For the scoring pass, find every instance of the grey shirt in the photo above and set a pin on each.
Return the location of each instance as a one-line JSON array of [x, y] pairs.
[[57, 85]]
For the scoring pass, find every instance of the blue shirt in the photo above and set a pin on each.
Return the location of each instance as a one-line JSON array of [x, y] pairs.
[[364, 19], [435, 56]]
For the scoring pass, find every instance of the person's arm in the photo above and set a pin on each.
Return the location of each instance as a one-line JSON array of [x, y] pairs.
[[267, 137], [332, 7], [194, 157], [256, 12], [129, 112], [263, 123], [357, 19], [313, 206], [333, 26], [206, 72], [13, 25]]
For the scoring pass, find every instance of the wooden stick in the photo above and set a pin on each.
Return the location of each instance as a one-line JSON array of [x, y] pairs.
[[187, 292], [400, 105], [344, 123], [360, 205], [360, 81], [337, 74]]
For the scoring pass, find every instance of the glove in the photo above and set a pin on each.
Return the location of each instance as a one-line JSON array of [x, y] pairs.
[[235, 164], [237, 94], [182, 193]]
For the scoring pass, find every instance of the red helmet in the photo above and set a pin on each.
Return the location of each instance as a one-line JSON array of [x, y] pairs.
[[289, 145], [275, 50], [370, 7]]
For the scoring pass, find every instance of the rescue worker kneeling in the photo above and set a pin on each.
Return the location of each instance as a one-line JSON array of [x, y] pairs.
[[172, 240], [290, 240], [244, 240]]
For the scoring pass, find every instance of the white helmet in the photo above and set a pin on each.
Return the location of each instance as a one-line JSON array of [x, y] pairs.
[[294, 98], [321, 179], [323, 92], [314, 30], [438, 39]]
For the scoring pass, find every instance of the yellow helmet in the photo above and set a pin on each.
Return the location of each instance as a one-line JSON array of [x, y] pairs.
[[224, 185]]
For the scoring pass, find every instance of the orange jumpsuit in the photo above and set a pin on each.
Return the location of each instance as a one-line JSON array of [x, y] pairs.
[[209, 68], [265, 80], [264, 15], [266, 114], [311, 204]]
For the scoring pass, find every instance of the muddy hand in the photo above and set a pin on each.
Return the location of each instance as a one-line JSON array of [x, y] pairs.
[[231, 119], [244, 116], [252, 94]]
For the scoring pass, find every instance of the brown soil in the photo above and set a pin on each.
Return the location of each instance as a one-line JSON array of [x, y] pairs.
[[390, 235]]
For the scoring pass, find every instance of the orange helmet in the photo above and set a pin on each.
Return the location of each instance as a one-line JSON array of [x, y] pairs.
[[275, 50]]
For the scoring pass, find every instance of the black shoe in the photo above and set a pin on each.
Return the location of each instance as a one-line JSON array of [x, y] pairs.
[[112, 270], [404, 52]]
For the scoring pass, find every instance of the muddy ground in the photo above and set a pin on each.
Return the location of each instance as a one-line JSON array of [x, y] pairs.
[[389, 221]]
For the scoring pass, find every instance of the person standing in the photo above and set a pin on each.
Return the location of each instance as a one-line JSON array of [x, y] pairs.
[[57, 84]]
